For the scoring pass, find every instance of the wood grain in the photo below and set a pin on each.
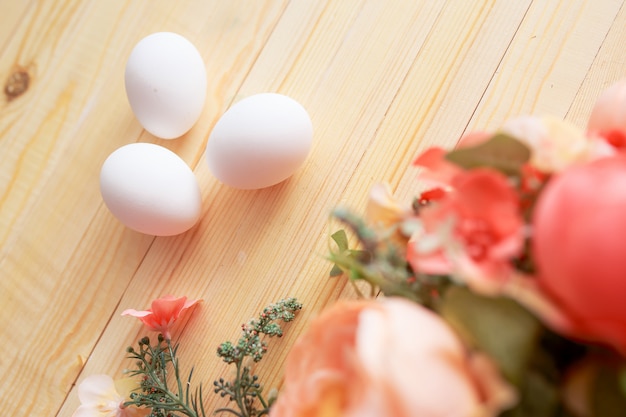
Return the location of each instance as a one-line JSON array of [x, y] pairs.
[[381, 80]]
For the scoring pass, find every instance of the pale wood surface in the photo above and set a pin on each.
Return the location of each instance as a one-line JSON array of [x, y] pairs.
[[381, 79]]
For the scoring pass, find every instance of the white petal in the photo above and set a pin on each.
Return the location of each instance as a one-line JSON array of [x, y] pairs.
[[97, 389]]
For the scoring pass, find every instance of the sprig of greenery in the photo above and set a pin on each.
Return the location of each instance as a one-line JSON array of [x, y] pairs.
[[152, 362], [380, 263], [245, 390]]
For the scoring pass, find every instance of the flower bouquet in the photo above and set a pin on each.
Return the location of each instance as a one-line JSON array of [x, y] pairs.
[[500, 290], [504, 282]]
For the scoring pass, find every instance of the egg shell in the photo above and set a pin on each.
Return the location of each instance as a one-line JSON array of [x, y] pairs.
[[166, 84], [259, 141], [150, 189]]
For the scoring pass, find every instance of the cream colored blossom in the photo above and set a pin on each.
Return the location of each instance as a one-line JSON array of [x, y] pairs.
[[555, 144], [101, 396]]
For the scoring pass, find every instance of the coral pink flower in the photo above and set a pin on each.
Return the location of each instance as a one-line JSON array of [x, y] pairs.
[[164, 312], [579, 246], [473, 232], [439, 171], [608, 117], [101, 396], [387, 358]]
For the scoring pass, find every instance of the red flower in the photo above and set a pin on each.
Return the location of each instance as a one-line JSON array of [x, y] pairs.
[[165, 311], [472, 232], [579, 246]]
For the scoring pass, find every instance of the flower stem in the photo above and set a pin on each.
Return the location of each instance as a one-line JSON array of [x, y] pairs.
[[156, 394]]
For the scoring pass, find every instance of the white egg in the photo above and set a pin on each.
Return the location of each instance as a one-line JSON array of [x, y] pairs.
[[166, 84], [260, 141], [150, 189]]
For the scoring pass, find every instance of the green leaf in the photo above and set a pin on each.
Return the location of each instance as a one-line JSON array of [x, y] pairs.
[[502, 152], [538, 398], [496, 325], [341, 239], [336, 271]]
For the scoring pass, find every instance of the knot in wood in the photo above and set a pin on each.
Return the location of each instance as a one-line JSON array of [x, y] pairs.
[[17, 84]]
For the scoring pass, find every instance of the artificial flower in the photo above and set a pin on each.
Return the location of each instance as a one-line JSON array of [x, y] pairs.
[[608, 117], [164, 312], [101, 396], [472, 233], [579, 232], [382, 209], [438, 171], [384, 212], [555, 144], [387, 358]]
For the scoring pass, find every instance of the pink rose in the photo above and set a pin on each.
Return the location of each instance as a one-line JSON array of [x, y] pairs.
[[472, 232], [387, 358], [579, 246]]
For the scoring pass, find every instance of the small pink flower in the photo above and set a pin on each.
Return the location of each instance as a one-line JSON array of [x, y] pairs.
[[473, 232], [164, 312], [101, 396]]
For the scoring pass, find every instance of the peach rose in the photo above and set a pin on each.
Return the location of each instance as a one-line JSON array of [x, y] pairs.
[[579, 246], [387, 358]]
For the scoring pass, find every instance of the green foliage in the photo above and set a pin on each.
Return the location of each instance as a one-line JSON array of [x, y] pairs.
[[244, 389], [538, 398], [344, 257], [380, 262], [608, 397], [502, 152], [496, 325], [152, 362]]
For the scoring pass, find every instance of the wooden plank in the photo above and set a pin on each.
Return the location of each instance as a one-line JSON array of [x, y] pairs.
[[381, 80], [547, 61], [608, 67], [54, 255], [252, 248]]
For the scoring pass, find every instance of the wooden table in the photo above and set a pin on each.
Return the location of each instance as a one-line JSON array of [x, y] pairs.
[[381, 79]]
